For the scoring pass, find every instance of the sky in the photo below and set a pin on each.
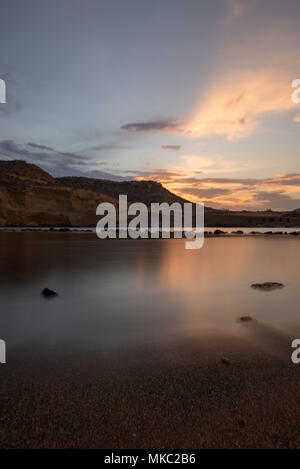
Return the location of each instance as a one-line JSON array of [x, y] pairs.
[[190, 93]]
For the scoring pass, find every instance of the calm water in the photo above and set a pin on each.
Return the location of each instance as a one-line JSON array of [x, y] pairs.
[[119, 293]]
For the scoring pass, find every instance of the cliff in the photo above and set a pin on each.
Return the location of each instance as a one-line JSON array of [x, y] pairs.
[[29, 196]]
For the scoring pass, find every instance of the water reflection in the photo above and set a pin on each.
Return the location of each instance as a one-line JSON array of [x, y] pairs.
[[114, 293]]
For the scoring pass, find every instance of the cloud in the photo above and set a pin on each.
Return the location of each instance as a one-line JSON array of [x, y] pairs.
[[210, 193], [277, 199], [163, 175], [237, 7], [171, 147], [168, 125], [297, 119], [282, 180], [252, 78], [58, 163], [234, 105], [280, 192], [250, 81], [110, 146], [40, 147]]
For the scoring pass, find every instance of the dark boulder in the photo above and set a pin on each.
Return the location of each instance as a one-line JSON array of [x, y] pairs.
[[47, 293], [267, 286]]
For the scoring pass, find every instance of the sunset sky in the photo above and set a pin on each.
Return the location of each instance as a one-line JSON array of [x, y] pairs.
[[191, 93]]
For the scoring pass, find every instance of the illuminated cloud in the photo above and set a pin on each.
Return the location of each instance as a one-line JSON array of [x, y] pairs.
[[235, 103], [232, 107], [281, 192], [243, 91], [297, 119], [212, 164], [236, 7]]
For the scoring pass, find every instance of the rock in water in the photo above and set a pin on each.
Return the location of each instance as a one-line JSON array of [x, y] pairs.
[[47, 293], [267, 286], [246, 318]]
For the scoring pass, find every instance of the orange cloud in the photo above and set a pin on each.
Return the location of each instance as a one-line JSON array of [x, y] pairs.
[[297, 119], [281, 192], [237, 7], [235, 103]]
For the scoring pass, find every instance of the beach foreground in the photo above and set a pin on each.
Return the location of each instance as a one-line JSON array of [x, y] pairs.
[[177, 395], [144, 346]]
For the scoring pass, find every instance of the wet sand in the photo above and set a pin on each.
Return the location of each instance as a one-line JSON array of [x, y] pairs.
[[177, 395]]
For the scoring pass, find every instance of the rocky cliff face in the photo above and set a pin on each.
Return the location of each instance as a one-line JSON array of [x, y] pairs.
[[29, 196]]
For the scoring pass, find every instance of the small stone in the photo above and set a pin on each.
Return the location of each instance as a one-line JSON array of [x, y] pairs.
[[246, 318], [225, 360], [241, 422], [47, 293]]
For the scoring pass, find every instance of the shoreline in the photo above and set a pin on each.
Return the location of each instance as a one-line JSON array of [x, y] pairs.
[[213, 232]]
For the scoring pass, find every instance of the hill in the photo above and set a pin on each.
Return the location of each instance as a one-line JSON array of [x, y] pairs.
[[29, 196]]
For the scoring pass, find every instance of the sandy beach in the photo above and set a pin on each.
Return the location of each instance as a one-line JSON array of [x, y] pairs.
[[176, 395]]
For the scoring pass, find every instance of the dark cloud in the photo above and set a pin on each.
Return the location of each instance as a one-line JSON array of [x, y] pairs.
[[112, 146], [163, 174], [171, 147], [230, 181], [57, 163], [40, 147], [277, 199], [8, 147], [284, 180], [208, 193], [165, 124]]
